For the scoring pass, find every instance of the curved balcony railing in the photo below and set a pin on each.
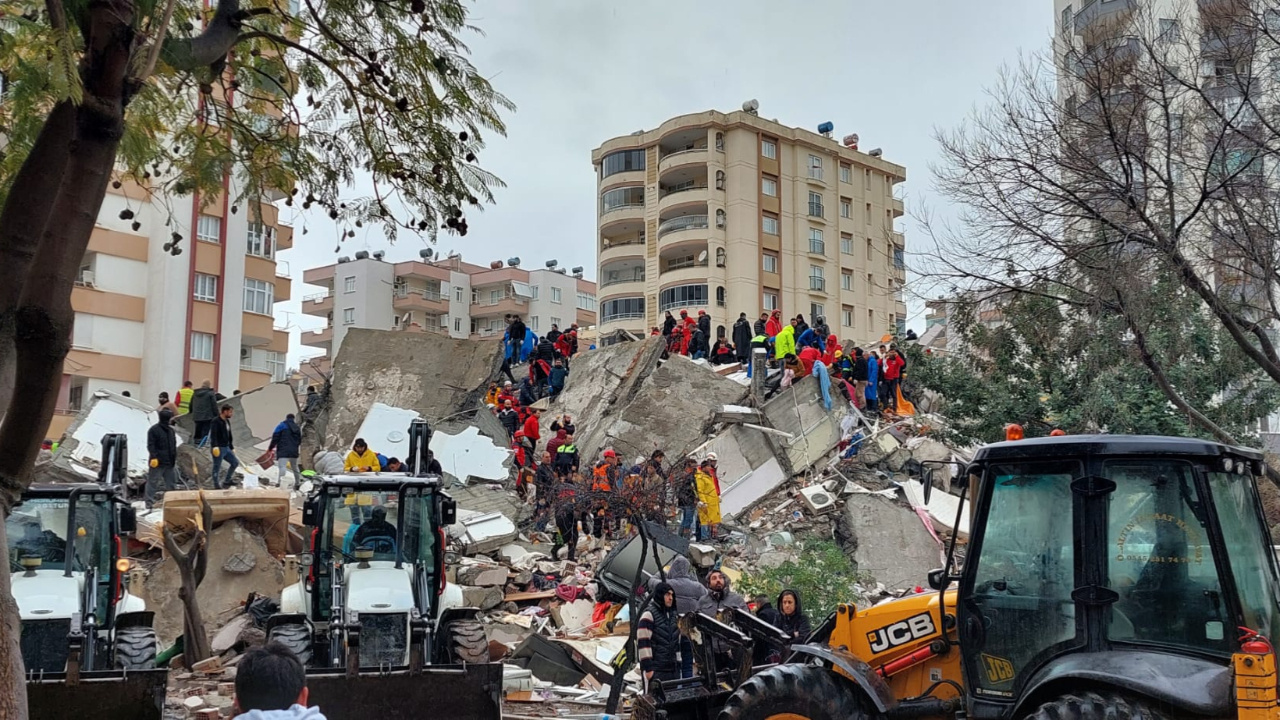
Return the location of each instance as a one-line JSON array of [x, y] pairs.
[[687, 222]]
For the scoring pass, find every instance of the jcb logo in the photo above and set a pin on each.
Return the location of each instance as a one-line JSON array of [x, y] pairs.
[[902, 632], [998, 670]]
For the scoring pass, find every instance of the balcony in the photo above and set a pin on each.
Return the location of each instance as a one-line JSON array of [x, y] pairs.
[[817, 284], [683, 147], [1096, 12], [322, 338], [630, 272], [683, 158], [256, 329], [632, 246], [678, 273], [686, 195], [320, 304], [507, 304], [685, 224], [403, 299]]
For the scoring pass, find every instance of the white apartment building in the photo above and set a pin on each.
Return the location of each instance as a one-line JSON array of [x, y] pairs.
[[446, 296]]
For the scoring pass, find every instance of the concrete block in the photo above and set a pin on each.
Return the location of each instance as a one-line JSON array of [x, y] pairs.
[[482, 576], [893, 545], [485, 598], [193, 703], [703, 556]]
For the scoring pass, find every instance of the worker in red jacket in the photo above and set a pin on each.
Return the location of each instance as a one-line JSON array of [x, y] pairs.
[[892, 374], [531, 433]]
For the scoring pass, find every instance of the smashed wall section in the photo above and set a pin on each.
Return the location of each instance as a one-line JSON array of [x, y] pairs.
[[254, 418], [80, 452], [621, 397], [815, 430], [433, 375]]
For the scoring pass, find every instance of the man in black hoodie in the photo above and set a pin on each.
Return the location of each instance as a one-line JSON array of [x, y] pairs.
[[820, 327], [223, 446], [162, 448], [742, 337], [204, 408]]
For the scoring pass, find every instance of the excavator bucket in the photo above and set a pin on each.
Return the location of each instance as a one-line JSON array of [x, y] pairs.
[[104, 694], [445, 691]]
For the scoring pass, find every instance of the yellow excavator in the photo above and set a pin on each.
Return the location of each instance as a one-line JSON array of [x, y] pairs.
[[1106, 577]]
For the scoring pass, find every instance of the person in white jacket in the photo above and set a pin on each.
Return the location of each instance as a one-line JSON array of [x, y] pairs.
[[271, 684]]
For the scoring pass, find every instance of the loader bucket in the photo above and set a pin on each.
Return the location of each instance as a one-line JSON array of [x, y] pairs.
[[444, 691], [104, 694]]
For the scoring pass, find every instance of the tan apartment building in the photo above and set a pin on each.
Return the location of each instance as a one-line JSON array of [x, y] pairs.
[[146, 320], [732, 213], [446, 296]]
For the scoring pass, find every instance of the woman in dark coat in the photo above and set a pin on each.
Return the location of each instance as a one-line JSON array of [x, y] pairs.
[[791, 617]]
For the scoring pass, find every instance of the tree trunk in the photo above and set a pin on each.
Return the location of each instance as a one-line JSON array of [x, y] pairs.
[[13, 701], [192, 561], [22, 222]]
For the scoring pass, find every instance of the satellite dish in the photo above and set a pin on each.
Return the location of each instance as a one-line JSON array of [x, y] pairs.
[[702, 256]]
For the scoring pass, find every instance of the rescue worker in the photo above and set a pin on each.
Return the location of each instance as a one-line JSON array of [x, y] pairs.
[[566, 458], [708, 502], [566, 513], [785, 344], [184, 398], [361, 458], [605, 478]]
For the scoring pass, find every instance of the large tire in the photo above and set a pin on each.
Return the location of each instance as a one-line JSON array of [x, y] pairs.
[[296, 637], [1096, 705], [467, 642], [136, 648], [794, 692]]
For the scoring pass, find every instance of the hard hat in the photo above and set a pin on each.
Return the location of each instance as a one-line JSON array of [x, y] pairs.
[[610, 453], [712, 457]]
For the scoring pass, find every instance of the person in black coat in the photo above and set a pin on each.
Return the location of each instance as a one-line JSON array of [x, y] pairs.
[[658, 637], [791, 618], [162, 448], [704, 324], [742, 337], [516, 331], [761, 324], [801, 325], [545, 350], [668, 324]]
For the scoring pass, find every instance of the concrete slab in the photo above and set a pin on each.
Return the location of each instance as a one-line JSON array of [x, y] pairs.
[[107, 412], [942, 507], [815, 430], [482, 532], [470, 455], [386, 429], [894, 547]]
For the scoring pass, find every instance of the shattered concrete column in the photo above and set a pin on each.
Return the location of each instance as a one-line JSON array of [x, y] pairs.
[[758, 373]]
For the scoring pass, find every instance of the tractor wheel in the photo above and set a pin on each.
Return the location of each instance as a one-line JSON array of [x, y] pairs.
[[467, 643], [1092, 705], [136, 648], [794, 692], [296, 637]]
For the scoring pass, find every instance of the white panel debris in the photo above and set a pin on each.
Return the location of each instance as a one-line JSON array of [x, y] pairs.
[[386, 429], [111, 413], [469, 455]]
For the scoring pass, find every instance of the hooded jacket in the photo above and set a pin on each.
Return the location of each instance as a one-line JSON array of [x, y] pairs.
[[809, 338], [742, 337], [658, 635], [873, 377], [704, 324], [668, 324], [297, 712], [709, 510], [774, 325], [785, 343], [689, 592], [714, 601], [204, 404], [796, 625], [287, 439], [829, 354], [327, 462], [162, 442], [820, 326]]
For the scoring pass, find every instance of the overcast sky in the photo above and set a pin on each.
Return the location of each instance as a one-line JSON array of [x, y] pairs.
[[584, 71]]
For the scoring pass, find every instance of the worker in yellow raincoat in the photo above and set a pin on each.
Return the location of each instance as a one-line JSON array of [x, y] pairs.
[[708, 499]]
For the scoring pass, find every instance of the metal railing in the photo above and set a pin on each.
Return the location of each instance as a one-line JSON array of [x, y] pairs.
[[817, 283], [623, 206], [317, 297], [607, 244], [622, 316], [402, 293], [668, 193], [688, 222], [619, 281], [701, 148], [682, 264]]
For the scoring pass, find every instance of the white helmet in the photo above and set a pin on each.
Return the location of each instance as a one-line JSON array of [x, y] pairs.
[[712, 457]]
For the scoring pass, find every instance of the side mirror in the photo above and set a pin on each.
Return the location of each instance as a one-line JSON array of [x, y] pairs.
[[306, 559], [311, 511], [448, 510], [128, 521], [937, 579]]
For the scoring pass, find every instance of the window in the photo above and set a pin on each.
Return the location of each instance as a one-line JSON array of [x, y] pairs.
[[769, 149], [770, 301], [349, 285], [719, 179], [846, 243], [769, 185], [556, 321], [846, 280], [770, 263], [846, 316], [868, 213], [770, 224], [457, 324], [816, 310], [866, 179], [899, 325], [533, 292], [816, 279], [624, 161], [202, 346], [1234, 496], [495, 296], [720, 296], [587, 301], [815, 167], [846, 173], [206, 287], [1066, 20], [555, 295], [899, 258], [816, 245], [75, 398], [682, 296], [259, 296], [846, 208], [815, 204], [533, 323], [262, 240], [719, 142], [457, 294], [209, 228], [622, 309], [349, 316], [276, 366], [620, 198], [871, 319], [1170, 30], [720, 217]]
